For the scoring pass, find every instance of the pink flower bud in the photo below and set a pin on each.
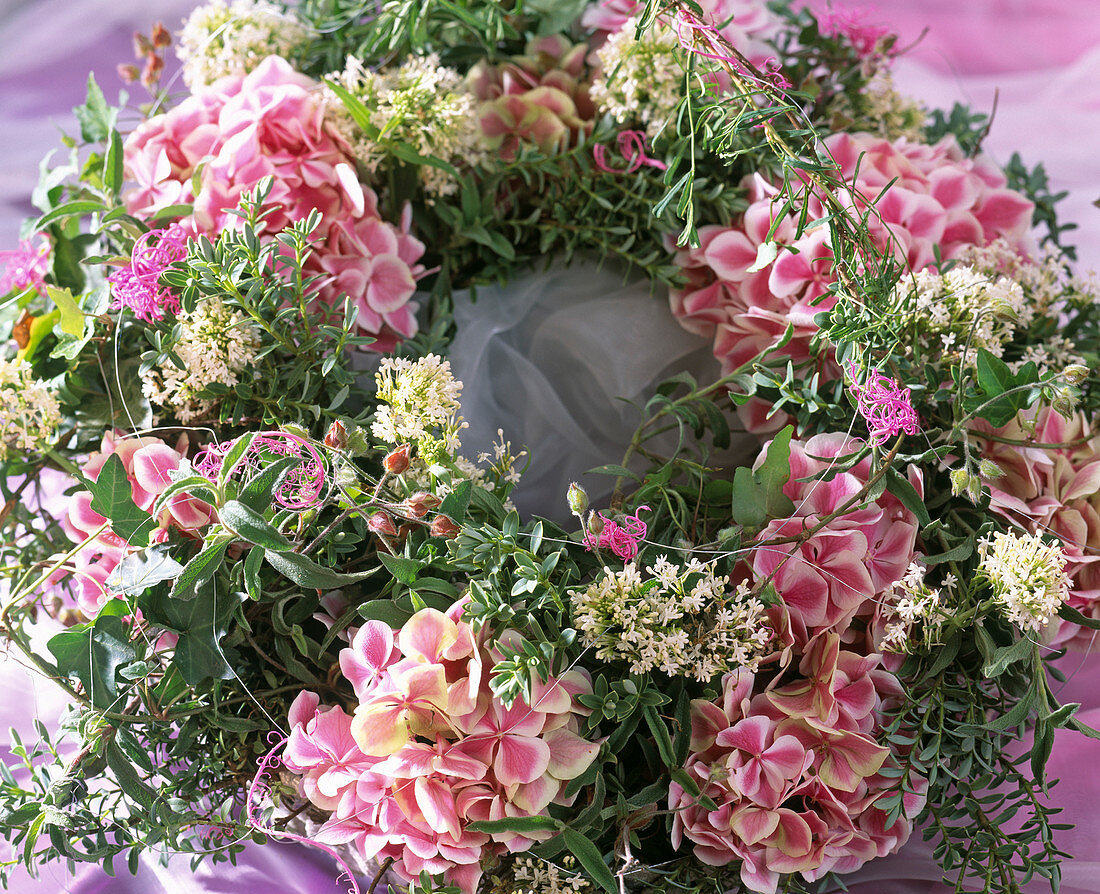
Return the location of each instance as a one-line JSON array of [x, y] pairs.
[[128, 73], [419, 503], [397, 460], [337, 436], [161, 36], [142, 45], [442, 526], [381, 523]]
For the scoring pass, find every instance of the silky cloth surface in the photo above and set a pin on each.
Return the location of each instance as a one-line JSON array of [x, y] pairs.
[[1042, 58]]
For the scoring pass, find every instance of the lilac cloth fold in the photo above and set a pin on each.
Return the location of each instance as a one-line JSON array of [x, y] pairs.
[[1042, 55]]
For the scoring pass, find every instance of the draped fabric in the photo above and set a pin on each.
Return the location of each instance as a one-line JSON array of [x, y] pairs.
[[548, 358]]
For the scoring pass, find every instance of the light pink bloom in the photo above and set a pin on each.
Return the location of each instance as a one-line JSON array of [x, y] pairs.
[[270, 123], [25, 267], [937, 198]]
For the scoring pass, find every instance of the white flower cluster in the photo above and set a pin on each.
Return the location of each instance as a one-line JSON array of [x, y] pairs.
[[542, 877], [880, 109], [420, 105], [1027, 576], [962, 310], [215, 346], [685, 621], [221, 38], [640, 80], [914, 612], [29, 411], [420, 404]]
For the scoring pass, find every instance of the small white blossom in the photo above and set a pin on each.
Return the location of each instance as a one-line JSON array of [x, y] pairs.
[[29, 410], [420, 105], [542, 877], [220, 39], [913, 612], [641, 80], [216, 345], [683, 621], [419, 404], [1027, 576]]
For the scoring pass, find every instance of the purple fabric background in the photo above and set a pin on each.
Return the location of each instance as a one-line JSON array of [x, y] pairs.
[[1042, 59]]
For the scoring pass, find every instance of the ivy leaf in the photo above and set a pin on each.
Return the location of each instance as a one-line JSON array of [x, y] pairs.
[[758, 494], [112, 498], [200, 623], [95, 116], [139, 571], [72, 317], [93, 653], [996, 401]]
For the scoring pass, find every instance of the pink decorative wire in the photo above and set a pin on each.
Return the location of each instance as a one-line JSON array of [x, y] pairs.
[[259, 790], [138, 286], [886, 405], [622, 539], [632, 147], [691, 32], [304, 483]]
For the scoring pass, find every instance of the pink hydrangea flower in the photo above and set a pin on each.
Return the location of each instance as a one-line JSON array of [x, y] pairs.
[[746, 24], [270, 123], [886, 406], [794, 770], [1054, 490], [843, 568], [938, 198], [430, 749], [148, 463], [24, 267], [622, 540], [852, 25]]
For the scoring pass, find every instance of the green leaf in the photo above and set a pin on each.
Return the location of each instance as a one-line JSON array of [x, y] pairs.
[[128, 778], [660, 735], [113, 163], [457, 502], [200, 623], [72, 317], [70, 209], [199, 570], [95, 116], [402, 569], [996, 380], [259, 493], [138, 571], [1003, 657], [250, 525], [252, 564], [111, 498], [590, 858], [521, 825], [758, 494], [611, 469], [385, 611], [307, 573], [1069, 613], [93, 653], [900, 487]]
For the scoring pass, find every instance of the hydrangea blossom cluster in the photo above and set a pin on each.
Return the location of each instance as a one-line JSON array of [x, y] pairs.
[[886, 406], [1027, 577], [231, 38], [937, 198], [215, 345], [220, 142], [430, 749], [29, 410], [419, 105], [149, 463], [540, 98], [794, 771], [137, 286], [683, 620], [25, 267], [841, 571], [1053, 491]]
